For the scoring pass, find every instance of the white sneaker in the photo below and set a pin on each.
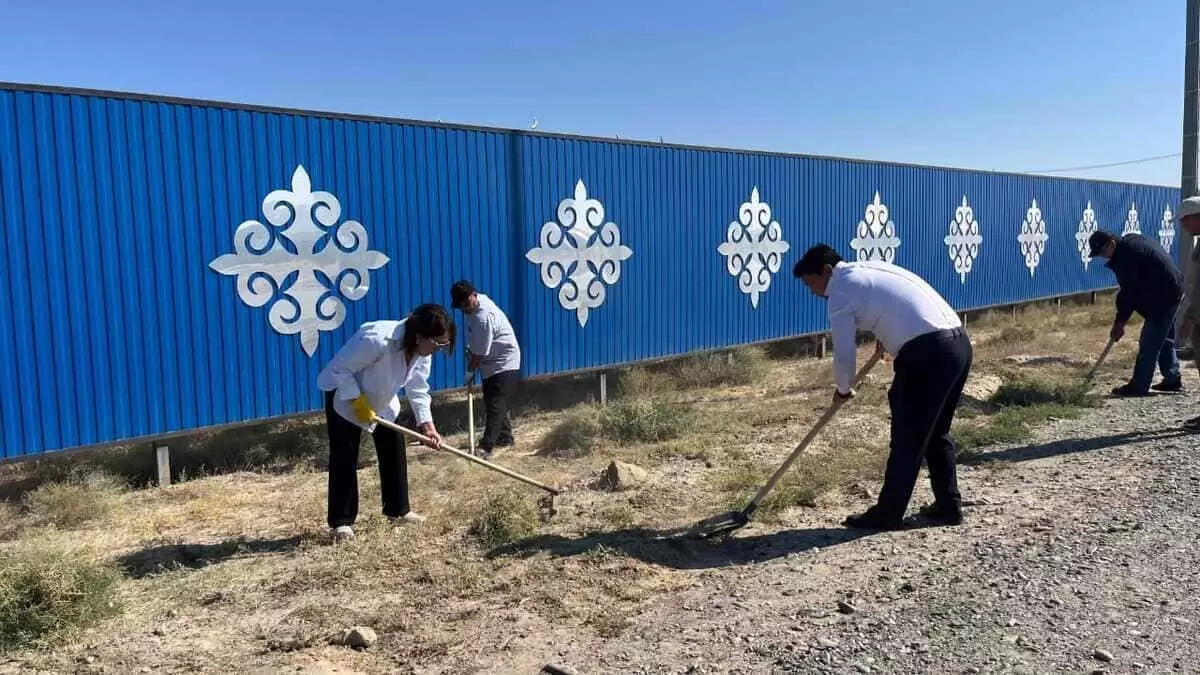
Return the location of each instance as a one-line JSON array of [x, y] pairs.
[[410, 517], [342, 533]]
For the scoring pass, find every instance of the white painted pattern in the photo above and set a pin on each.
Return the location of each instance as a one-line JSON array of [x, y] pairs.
[[302, 261], [964, 240], [1132, 226], [1166, 229], [580, 254], [1033, 237], [875, 237], [1087, 226], [753, 247]]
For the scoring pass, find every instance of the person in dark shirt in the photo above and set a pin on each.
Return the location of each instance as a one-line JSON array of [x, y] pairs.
[[1151, 285]]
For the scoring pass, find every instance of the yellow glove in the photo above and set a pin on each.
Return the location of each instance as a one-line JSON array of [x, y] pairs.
[[362, 409]]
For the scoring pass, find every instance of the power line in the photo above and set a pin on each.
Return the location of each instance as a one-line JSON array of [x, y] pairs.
[[1105, 166]]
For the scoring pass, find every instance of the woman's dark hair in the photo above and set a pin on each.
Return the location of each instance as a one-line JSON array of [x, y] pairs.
[[427, 321], [815, 259]]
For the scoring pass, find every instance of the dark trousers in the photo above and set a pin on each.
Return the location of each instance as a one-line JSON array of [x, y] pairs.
[[930, 372], [1156, 347], [497, 393], [344, 438]]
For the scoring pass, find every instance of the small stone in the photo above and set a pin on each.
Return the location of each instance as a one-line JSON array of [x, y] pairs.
[[907, 587], [358, 637], [826, 643], [621, 476], [862, 668], [557, 669], [1102, 655], [845, 607], [171, 614]]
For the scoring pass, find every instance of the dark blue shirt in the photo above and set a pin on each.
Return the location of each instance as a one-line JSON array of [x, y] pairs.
[[1151, 283]]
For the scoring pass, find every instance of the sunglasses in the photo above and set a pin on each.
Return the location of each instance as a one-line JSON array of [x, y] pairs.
[[439, 344]]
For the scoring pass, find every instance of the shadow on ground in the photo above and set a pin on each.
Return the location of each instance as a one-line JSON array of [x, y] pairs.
[[1072, 445], [678, 550], [169, 557]]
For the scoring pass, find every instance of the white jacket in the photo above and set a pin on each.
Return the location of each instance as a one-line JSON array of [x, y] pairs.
[[372, 362]]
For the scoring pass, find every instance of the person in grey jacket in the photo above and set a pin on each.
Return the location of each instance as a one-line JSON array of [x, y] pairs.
[[1189, 222], [492, 350]]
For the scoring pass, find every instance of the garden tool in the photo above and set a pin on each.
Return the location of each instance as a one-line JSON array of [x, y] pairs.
[[728, 522], [1103, 355], [471, 409], [547, 502]]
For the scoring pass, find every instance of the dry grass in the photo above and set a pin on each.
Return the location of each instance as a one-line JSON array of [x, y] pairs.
[[237, 564], [506, 517], [75, 502], [46, 594]]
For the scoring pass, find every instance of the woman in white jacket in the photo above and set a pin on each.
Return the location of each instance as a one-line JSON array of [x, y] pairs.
[[362, 381]]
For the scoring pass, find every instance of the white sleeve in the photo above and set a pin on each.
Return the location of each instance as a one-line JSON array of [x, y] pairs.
[[416, 389], [360, 352], [845, 352]]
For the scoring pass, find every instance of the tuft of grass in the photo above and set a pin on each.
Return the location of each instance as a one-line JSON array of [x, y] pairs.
[[610, 622], [8, 520], [75, 502], [1016, 334], [46, 594], [802, 485], [575, 435], [505, 518], [1036, 392], [642, 382], [1024, 404], [738, 367], [619, 516], [644, 420]]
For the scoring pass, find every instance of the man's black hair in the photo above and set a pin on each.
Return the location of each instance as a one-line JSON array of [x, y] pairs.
[[815, 259]]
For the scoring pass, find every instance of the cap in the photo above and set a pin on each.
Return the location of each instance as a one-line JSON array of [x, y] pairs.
[[459, 292], [1189, 207], [1098, 241]]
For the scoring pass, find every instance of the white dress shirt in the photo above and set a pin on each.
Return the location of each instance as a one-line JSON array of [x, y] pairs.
[[886, 300], [491, 336], [372, 362]]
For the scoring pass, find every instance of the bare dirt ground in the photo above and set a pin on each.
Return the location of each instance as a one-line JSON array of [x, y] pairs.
[[1079, 553]]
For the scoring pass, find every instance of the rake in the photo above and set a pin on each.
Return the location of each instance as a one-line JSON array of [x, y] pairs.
[[728, 522]]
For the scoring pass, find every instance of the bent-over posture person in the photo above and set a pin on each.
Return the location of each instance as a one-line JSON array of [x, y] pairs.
[[362, 381], [932, 360], [1189, 222], [1152, 286]]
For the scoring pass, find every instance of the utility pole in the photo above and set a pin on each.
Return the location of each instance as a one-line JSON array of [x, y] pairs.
[[1191, 152]]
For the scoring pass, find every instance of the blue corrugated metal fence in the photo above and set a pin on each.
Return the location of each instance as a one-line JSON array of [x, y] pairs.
[[173, 264]]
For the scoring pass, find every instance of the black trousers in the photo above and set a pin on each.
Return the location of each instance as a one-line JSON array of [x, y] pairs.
[[344, 438], [930, 372], [497, 394]]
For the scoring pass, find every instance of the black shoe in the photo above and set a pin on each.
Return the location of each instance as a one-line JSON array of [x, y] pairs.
[[505, 442], [483, 453], [947, 514], [1172, 385], [1192, 424], [872, 520], [1129, 391]]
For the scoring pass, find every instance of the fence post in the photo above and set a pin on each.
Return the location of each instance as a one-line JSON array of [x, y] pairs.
[[603, 388], [162, 460]]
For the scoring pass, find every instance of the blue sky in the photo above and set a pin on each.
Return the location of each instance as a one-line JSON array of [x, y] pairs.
[[1020, 85]]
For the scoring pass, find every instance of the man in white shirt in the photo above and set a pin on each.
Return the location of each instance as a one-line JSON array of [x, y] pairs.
[[492, 350], [932, 359], [360, 383]]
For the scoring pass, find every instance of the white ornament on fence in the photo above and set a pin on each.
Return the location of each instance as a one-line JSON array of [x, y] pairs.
[[1132, 226], [875, 237], [1087, 226], [302, 261], [964, 240], [1166, 230], [1033, 237], [753, 247], [580, 254]]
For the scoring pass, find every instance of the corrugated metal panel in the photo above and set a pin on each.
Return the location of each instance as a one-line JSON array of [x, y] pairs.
[[114, 326]]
